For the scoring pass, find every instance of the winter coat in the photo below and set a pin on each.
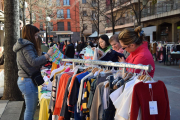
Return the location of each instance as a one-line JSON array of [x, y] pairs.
[[79, 49], [28, 58], [70, 51]]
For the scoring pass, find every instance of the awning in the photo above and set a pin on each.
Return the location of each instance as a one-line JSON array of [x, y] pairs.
[[95, 34]]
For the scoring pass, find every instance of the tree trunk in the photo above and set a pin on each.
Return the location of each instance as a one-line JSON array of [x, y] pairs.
[[24, 13], [112, 16], [98, 17], [139, 12], [31, 13], [11, 21]]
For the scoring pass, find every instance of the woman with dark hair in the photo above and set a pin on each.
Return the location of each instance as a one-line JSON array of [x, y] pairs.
[[104, 43], [132, 41], [58, 45], [28, 61]]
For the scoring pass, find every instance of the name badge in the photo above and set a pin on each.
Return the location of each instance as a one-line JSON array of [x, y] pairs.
[[153, 107]]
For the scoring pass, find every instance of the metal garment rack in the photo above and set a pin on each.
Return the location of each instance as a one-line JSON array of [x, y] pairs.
[[109, 63]]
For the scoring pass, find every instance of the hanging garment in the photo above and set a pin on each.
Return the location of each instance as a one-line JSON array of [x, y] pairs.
[[123, 103], [64, 111], [91, 94], [73, 96], [142, 96], [96, 112], [60, 93]]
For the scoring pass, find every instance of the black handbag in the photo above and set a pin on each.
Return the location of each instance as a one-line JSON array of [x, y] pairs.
[[36, 77]]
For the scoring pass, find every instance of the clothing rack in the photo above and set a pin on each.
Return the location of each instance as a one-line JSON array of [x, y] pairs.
[[109, 63]]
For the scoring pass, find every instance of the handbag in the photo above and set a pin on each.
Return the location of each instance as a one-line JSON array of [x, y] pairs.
[[36, 77]]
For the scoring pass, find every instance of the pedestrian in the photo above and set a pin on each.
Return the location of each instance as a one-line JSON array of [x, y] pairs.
[[64, 47], [132, 41], [79, 48], [114, 41], [27, 57], [104, 44], [69, 53], [58, 45]]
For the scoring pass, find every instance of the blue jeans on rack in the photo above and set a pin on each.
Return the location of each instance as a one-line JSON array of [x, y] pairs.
[[30, 92]]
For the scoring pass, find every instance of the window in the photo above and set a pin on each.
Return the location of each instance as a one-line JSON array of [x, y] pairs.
[[41, 26], [60, 13], [66, 2], [40, 14], [83, 1], [84, 13], [84, 26], [69, 26], [50, 2], [93, 28], [51, 28], [34, 16], [60, 26], [57, 2], [68, 13], [93, 15]]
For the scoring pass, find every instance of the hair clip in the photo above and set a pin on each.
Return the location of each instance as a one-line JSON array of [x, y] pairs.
[[141, 33]]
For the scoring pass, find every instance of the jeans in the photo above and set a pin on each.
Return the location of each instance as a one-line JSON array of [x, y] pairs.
[[30, 92]]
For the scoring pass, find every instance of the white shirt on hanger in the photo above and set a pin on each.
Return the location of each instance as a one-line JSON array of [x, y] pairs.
[[123, 103]]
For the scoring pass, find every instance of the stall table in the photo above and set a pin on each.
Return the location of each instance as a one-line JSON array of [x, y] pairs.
[[44, 106]]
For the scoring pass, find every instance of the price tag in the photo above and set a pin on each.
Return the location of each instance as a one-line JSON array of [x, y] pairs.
[[153, 107], [150, 86]]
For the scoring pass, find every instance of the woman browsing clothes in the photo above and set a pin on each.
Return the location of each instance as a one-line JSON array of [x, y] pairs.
[[114, 41], [132, 41], [104, 45], [26, 49]]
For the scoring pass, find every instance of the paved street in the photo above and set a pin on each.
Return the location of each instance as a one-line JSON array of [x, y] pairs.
[[170, 75]]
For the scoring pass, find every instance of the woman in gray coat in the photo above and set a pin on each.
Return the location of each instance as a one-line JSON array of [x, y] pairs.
[[26, 49]]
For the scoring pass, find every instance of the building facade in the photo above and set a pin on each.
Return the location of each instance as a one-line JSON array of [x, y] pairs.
[[162, 15], [64, 24], [88, 16]]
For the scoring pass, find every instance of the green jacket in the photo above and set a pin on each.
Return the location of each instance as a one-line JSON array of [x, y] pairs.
[[107, 48]]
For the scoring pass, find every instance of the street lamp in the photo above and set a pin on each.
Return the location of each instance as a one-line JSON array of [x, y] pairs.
[[48, 19]]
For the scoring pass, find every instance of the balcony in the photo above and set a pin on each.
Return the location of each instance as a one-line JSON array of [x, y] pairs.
[[159, 8], [121, 21]]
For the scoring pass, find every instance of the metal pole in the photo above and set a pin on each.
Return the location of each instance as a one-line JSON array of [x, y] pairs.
[[46, 34], [49, 31]]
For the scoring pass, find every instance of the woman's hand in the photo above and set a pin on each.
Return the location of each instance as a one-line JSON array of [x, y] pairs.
[[100, 53], [50, 51], [121, 59], [93, 48]]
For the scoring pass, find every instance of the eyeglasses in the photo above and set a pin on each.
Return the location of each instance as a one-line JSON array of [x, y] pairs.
[[125, 47]]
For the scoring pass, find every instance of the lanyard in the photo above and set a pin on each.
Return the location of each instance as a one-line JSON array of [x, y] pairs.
[[151, 91]]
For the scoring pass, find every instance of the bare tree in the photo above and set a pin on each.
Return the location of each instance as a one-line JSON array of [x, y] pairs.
[[141, 6], [96, 17], [11, 13], [114, 13]]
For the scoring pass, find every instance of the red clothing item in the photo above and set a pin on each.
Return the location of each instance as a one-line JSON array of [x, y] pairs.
[[60, 93], [142, 56], [64, 49], [141, 97]]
